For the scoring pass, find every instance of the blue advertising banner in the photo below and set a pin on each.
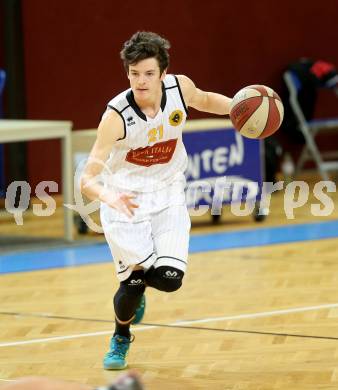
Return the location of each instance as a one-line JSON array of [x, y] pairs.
[[223, 166]]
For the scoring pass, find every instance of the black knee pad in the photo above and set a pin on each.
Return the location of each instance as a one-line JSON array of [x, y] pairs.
[[164, 278], [135, 284], [128, 296]]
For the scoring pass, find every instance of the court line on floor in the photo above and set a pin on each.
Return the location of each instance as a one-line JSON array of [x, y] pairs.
[[259, 332], [177, 324], [53, 317], [36, 315]]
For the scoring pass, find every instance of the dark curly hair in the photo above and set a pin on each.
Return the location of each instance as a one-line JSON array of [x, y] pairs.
[[144, 45]]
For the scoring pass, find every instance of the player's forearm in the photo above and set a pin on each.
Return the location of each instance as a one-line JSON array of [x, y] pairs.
[[91, 188], [216, 103]]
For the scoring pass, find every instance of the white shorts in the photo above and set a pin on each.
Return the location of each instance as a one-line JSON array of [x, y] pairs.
[[158, 233]]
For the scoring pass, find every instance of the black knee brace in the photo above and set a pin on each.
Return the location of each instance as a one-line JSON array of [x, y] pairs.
[[128, 296], [164, 278]]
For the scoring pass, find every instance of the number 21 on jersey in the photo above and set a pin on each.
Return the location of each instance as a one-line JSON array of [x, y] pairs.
[[155, 134]]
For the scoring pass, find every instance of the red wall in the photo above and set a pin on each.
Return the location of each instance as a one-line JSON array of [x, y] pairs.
[[2, 55], [72, 52]]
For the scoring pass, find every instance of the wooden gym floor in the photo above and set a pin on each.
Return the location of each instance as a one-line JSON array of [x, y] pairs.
[[259, 317]]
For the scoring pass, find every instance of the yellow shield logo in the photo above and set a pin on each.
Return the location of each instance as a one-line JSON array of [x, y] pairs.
[[176, 117]]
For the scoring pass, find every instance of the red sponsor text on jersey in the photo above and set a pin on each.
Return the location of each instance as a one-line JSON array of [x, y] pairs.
[[160, 153]]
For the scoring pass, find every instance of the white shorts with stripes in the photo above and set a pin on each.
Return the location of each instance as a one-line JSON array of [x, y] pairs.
[[158, 233]]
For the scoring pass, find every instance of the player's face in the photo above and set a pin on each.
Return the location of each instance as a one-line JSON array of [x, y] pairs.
[[145, 78]]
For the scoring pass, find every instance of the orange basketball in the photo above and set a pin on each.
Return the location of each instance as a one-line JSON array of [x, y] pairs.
[[256, 111]]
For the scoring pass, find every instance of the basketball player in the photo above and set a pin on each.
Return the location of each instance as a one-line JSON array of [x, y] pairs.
[[128, 381], [141, 159]]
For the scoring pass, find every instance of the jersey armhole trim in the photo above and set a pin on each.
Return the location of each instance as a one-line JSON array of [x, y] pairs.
[[181, 95], [124, 123]]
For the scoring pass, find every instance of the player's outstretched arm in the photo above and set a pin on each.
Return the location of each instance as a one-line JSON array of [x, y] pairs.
[[211, 102], [111, 128]]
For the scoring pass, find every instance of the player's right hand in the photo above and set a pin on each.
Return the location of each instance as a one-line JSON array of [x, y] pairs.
[[121, 202]]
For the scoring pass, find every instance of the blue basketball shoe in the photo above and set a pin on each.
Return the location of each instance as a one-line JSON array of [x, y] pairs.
[[139, 312], [115, 359]]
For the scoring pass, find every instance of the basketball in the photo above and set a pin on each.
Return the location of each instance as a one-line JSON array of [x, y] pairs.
[[256, 111]]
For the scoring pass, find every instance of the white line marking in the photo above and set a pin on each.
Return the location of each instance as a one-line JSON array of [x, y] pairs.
[[177, 323], [258, 315], [7, 380], [58, 338]]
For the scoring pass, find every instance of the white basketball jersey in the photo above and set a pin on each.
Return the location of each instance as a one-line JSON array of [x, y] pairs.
[[151, 155]]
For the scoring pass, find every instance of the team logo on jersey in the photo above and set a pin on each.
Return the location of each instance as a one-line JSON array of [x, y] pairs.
[[176, 117], [130, 121], [159, 153]]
